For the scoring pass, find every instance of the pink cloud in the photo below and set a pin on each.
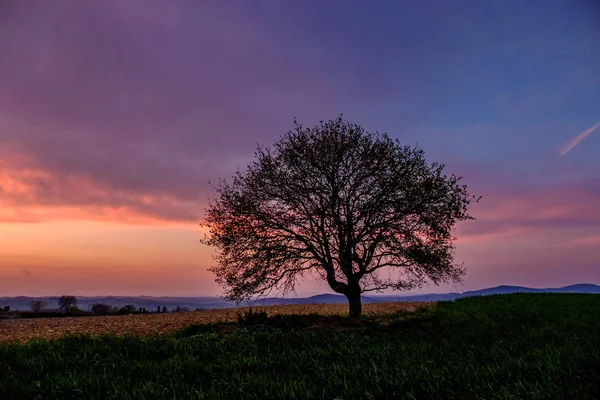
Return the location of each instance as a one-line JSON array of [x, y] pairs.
[[586, 241], [535, 209], [35, 195]]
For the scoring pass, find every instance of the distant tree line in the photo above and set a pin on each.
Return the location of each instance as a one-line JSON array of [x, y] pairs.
[[67, 304], [105, 309]]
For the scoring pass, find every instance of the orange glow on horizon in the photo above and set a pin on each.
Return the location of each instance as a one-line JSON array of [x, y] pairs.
[[70, 235], [86, 257]]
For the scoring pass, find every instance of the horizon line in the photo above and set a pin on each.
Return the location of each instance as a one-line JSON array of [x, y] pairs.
[[399, 294]]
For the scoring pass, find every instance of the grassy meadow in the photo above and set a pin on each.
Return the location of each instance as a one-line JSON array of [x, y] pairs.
[[520, 346]]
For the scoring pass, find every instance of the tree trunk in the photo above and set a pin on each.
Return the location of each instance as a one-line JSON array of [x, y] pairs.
[[354, 304]]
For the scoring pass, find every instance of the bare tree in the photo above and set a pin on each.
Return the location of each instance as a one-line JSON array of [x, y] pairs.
[[340, 202], [66, 302], [37, 305]]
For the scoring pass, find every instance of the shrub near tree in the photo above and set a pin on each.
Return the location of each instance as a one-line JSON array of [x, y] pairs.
[[103, 309], [128, 309], [74, 310], [354, 207]]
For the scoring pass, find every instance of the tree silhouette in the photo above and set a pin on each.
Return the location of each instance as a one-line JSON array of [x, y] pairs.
[[66, 302], [37, 305], [340, 202]]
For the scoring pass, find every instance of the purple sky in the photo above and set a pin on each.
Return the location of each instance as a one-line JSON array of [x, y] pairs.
[[122, 111]]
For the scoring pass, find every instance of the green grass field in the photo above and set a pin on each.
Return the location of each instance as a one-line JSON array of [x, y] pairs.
[[522, 346]]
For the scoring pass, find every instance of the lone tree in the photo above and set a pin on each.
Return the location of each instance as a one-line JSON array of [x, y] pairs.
[[66, 302], [37, 305], [354, 207]]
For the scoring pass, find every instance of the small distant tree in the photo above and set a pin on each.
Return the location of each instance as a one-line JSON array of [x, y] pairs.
[[37, 305], [164, 309], [355, 207], [6, 308], [66, 302]]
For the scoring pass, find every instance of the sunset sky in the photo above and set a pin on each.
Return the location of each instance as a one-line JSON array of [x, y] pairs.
[[115, 114]]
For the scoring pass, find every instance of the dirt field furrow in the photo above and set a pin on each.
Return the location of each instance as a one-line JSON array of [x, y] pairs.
[[22, 330]]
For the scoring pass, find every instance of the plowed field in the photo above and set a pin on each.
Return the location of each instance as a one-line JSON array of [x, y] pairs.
[[159, 324]]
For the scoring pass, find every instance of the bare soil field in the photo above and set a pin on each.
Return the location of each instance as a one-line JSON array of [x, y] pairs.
[[22, 330]]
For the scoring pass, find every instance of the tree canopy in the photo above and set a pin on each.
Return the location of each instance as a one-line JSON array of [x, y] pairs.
[[66, 302], [354, 207]]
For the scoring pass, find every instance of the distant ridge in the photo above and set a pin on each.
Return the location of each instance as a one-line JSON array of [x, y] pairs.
[[578, 288], [581, 288], [152, 302]]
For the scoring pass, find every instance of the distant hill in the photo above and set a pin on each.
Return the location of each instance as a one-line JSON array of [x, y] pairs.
[[504, 290], [580, 288], [151, 303]]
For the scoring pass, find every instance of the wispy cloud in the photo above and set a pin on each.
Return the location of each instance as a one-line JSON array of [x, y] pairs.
[[533, 211], [578, 139], [587, 241]]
